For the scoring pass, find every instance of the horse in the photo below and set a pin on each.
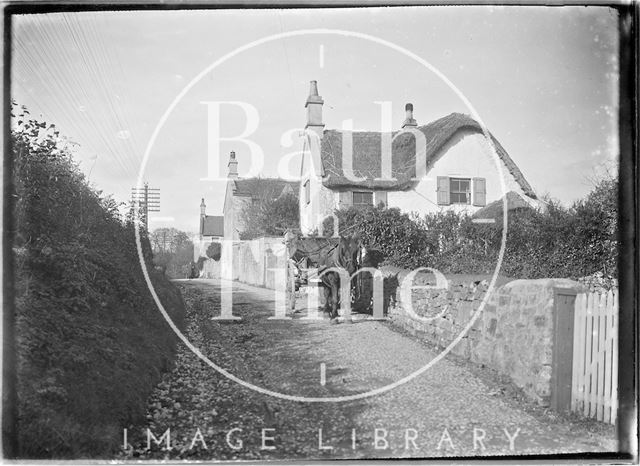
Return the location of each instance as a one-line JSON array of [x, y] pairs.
[[326, 254]]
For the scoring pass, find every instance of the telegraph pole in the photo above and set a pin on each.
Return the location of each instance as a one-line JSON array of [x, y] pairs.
[[147, 198]]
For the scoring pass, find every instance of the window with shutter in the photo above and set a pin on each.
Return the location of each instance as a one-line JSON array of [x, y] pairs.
[[460, 190], [443, 190], [479, 192]]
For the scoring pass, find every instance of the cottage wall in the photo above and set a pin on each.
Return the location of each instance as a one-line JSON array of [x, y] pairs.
[[210, 269], [200, 246], [227, 210], [232, 211], [467, 155], [250, 261], [323, 201], [239, 204]]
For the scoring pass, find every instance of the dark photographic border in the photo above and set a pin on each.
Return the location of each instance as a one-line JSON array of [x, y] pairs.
[[629, 187]]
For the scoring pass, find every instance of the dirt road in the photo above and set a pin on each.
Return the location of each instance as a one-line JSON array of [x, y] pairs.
[[447, 411]]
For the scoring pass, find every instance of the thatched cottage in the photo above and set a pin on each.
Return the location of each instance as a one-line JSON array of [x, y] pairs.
[[454, 168]]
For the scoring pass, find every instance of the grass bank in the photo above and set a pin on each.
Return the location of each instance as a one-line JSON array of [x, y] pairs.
[[90, 344]]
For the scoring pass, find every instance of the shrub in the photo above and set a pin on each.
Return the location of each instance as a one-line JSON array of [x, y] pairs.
[[596, 228], [214, 251], [401, 239], [270, 216]]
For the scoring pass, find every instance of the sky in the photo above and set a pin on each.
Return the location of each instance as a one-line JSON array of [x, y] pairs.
[[543, 80]]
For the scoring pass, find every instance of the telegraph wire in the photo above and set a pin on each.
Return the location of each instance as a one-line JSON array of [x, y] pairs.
[[67, 54]]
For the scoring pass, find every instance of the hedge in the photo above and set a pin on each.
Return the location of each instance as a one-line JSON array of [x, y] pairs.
[[90, 344], [554, 241]]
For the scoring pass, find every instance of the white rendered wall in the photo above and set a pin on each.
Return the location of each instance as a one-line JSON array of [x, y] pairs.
[[465, 156]]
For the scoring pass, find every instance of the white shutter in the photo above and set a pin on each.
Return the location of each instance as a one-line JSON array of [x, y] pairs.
[[443, 191], [380, 196], [345, 198], [479, 192]]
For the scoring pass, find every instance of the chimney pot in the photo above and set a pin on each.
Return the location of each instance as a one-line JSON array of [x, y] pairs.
[[314, 109], [233, 166], [409, 120], [313, 89]]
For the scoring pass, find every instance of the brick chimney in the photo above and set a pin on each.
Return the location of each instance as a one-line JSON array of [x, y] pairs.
[[314, 109], [233, 166], [409, 120]]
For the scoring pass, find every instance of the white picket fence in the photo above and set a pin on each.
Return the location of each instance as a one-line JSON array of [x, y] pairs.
[[594, 388]]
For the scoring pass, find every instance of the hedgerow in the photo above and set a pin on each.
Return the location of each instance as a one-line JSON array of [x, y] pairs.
[[400, 238], [554, 241], [90, 343]]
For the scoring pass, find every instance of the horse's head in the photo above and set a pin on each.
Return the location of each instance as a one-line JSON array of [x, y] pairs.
[[365, 256], [349, 250], [291, 241], [362, 250]]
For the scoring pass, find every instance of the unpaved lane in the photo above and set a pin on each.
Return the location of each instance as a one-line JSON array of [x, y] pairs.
[[446, 411]]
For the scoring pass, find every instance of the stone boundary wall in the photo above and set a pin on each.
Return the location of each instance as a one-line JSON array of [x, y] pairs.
[[249, 261], [513, 334], [210, 269]]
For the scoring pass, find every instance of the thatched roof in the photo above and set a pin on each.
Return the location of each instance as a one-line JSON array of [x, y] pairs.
[[494, 209], [367, 155], [260, 188], [212, 225]]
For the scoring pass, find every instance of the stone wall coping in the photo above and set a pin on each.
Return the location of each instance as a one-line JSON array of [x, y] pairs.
[[548, 283]]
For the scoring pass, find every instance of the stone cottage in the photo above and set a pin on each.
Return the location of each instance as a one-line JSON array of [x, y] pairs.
[[239, 193], [211, 230], [454, 167], [243, 191]]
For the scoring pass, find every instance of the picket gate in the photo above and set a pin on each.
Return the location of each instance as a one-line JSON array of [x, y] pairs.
[[594, 386]]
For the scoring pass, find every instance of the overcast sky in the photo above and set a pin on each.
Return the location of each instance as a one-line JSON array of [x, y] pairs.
[[543, 80]]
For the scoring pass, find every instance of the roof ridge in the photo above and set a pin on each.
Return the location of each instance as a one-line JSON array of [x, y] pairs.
[[262, 178], [450, 115]]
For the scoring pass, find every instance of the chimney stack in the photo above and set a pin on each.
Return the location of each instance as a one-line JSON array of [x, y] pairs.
[[233, 166], [203, 208], [314, 109], [409, 120]]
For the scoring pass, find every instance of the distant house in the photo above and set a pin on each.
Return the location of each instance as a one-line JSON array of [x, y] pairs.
[[242, 191], [239, 193], [211, 230], [455, 169]]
